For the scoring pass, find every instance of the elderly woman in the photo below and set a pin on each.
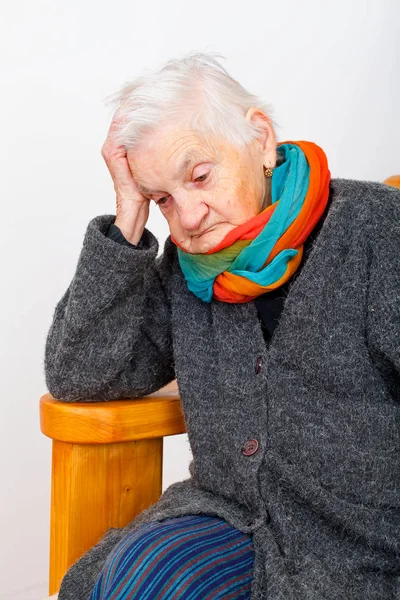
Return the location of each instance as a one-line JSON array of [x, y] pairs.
[[276, 306]]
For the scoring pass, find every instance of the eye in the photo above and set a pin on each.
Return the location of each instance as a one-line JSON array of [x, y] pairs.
[[162, 200], [200, 177]]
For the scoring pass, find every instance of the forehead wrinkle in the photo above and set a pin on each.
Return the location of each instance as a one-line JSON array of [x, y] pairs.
[[189, 158]]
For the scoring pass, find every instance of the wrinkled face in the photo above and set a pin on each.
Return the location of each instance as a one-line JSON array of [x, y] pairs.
[[203, 187]]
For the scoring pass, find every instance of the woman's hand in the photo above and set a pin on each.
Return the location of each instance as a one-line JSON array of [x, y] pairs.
[[132, 208]]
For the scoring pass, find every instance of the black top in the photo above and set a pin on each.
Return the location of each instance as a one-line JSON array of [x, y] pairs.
[[270, 304]]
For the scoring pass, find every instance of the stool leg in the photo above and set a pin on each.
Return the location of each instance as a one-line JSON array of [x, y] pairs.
[[96, 487]]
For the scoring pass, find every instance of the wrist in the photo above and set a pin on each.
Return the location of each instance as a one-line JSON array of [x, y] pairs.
[[132, 235]]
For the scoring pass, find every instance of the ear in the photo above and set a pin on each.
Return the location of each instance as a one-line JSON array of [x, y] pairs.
[[267, 137]]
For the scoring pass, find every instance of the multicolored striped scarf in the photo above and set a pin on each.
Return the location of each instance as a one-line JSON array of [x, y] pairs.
[[263, 253]]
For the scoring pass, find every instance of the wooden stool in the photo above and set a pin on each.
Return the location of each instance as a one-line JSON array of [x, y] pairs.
[[106, 467], [394, 181]]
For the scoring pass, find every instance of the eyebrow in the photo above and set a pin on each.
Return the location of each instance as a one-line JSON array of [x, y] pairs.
[[188, 160]]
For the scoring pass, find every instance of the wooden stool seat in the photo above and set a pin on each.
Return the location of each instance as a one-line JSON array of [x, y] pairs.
[[152, 416], [394, 181]]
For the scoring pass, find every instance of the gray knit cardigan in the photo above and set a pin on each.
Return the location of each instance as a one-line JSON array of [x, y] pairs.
[[321, 496]]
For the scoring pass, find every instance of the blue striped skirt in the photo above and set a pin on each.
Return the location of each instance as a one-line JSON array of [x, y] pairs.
[[190, 557]]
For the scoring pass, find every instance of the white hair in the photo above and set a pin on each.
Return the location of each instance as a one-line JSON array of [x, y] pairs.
[[195, 92]]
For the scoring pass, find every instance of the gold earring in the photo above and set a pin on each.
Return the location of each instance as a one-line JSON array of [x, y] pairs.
[[268, 172]]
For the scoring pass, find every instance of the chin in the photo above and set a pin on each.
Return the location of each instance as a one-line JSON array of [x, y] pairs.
[[207, 241]]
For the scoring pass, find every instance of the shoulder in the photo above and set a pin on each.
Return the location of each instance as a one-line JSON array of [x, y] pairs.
[[366, 204], [364, 194]]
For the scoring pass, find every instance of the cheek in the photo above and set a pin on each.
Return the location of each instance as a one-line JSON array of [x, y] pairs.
[[173, 222], [227, 192], [247, 194]]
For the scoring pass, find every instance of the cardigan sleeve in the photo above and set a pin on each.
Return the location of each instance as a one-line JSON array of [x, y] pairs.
[[383, 316], [110, 335]]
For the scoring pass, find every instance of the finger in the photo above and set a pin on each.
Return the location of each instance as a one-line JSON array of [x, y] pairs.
[[120, 171]]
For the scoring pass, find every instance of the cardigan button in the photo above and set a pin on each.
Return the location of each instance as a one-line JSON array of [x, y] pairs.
[[259, 364], [250, 447]]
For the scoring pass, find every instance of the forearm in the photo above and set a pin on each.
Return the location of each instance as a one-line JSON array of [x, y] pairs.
[[112, 322]]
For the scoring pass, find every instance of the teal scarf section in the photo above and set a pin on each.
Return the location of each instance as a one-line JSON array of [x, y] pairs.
[[290, 182]]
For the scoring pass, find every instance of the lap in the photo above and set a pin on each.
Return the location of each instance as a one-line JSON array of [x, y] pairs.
[[190, 557]]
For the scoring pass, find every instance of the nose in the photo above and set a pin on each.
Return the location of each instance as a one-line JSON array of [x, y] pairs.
[[191, 213]]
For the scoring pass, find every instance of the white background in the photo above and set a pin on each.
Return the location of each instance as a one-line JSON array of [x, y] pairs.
[[330, 70]]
